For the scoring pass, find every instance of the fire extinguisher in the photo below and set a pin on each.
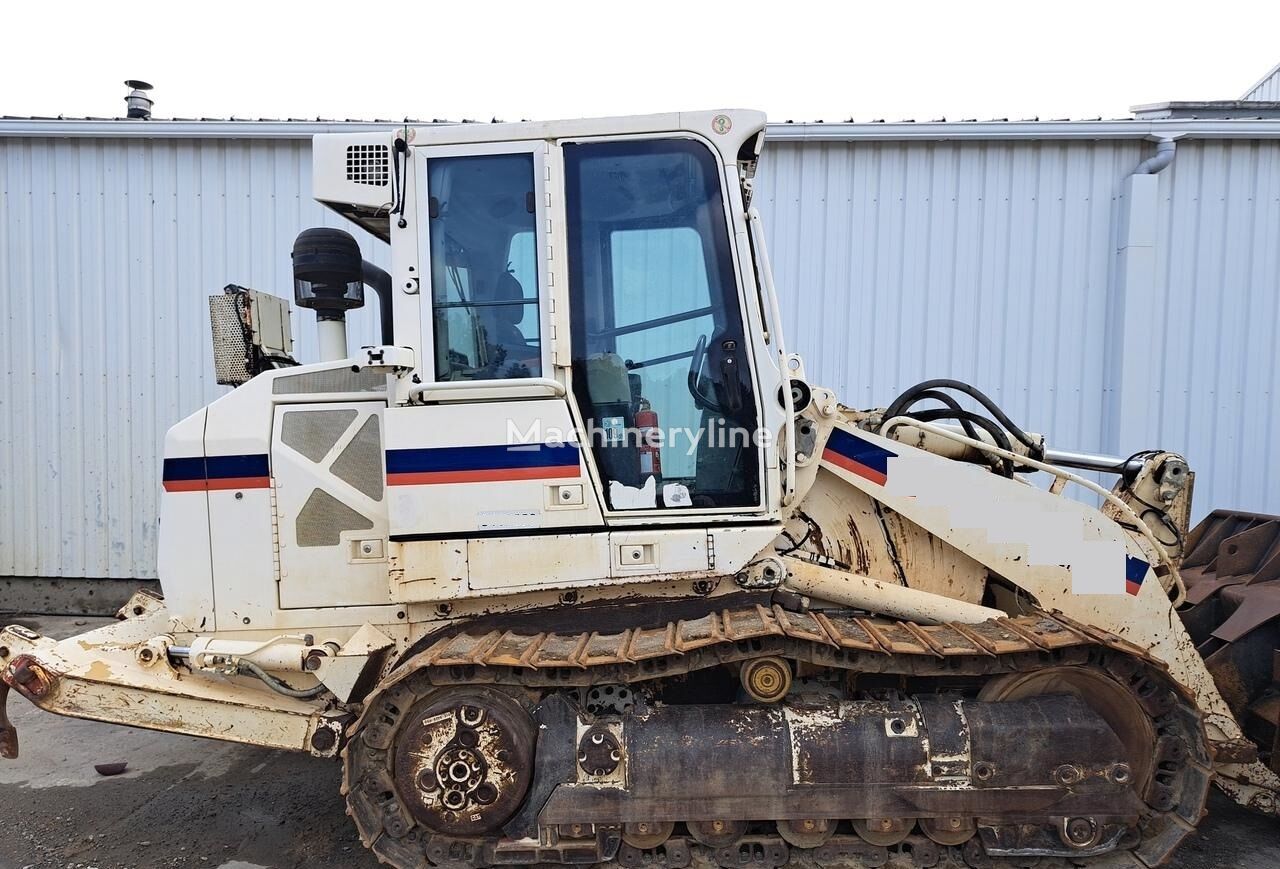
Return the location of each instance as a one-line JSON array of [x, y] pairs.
[[650, 441]]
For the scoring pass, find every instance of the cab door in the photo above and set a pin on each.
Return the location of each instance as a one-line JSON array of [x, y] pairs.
[[489, 449], [662, 370]]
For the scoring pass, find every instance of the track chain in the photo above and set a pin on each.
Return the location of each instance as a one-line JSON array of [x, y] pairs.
[[521, 661]]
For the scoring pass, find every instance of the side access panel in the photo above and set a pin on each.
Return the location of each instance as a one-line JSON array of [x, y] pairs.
[[330, 504]]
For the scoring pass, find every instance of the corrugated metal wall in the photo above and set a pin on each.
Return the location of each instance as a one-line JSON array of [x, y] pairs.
[[109, 249], [990, 262], [1267, 89], [1218, 255]]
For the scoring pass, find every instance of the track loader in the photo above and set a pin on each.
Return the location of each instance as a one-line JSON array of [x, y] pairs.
[[576, 566]]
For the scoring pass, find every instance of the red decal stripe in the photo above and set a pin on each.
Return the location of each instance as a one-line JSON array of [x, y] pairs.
[[185, 485], [239, 483], [497, 475], [216, 485], [854, 467], [1132, 587]]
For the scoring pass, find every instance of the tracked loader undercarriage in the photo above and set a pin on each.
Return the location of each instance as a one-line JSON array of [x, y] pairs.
[[578, 567], [990, 744]]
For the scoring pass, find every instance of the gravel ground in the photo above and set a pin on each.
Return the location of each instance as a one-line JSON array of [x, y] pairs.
[[197, 803]]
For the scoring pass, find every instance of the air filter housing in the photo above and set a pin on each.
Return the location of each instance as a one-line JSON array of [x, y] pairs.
[[327, 272]]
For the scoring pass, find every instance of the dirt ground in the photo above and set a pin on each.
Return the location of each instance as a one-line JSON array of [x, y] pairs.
[[196, 803]]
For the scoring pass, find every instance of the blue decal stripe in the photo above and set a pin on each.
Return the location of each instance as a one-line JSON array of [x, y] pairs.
[[216, 467], [486, 458], [863, 452]]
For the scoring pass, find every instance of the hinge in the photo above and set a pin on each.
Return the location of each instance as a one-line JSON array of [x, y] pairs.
[[275, 531], [711, 550]]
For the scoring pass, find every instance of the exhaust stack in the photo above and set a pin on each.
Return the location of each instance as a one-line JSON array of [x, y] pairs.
[[138, 102]]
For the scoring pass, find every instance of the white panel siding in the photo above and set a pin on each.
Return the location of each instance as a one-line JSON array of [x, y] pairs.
[[987, 261]]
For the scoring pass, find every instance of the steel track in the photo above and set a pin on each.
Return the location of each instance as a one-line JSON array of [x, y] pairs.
[[537, 665]]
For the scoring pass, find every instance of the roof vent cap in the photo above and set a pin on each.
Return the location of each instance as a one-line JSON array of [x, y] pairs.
[[138, 102]]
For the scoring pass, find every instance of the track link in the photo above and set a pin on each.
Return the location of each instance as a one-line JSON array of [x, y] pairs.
[[528, 666]]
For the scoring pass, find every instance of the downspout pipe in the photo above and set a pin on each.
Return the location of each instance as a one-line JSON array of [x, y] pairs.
[[380, 281], [1166, 149]]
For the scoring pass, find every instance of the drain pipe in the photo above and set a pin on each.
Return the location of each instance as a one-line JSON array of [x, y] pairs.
[[1133, 338], [1166, 149]]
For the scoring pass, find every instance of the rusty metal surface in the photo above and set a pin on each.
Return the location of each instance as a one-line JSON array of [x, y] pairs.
[[464, 761], [587, 650], [8, 733], [1232, 571], [740, 763]]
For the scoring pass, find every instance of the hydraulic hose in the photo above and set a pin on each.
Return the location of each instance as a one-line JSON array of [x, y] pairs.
[[947, 400], [998, 434], [277, 685], [905, 399]]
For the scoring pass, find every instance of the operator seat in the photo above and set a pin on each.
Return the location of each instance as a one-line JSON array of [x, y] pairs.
[[509, 350]]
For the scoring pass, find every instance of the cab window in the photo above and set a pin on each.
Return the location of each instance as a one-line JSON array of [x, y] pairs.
[[484, 285]]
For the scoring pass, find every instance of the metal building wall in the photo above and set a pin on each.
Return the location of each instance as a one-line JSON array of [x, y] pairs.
[[1266, 89], [993, 262], [987, 261], [108, 251], [1218, 255]]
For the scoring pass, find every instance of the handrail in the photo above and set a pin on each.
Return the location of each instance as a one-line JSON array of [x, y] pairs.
[[544, 385]]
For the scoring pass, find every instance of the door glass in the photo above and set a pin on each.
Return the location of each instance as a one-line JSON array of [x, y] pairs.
[[660, 365], [484, 275]]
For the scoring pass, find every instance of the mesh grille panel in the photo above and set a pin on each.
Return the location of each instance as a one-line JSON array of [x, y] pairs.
[[230, 346], [368, 164], [332, 380], [314, 432], [361, 462], [323, 518]]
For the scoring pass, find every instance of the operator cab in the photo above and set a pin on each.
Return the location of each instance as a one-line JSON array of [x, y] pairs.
[[589, 352]]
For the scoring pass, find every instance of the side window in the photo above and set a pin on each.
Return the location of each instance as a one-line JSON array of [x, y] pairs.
[[484, 274]]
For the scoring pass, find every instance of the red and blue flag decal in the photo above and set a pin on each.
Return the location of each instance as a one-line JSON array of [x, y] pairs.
[[858, 456], [1135, 571], [210, 473], [487, 464]]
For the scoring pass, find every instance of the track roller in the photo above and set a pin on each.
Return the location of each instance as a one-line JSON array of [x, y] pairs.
[[717, 833], [647, 834], [883, 831], [948, 831], [806, 832]]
